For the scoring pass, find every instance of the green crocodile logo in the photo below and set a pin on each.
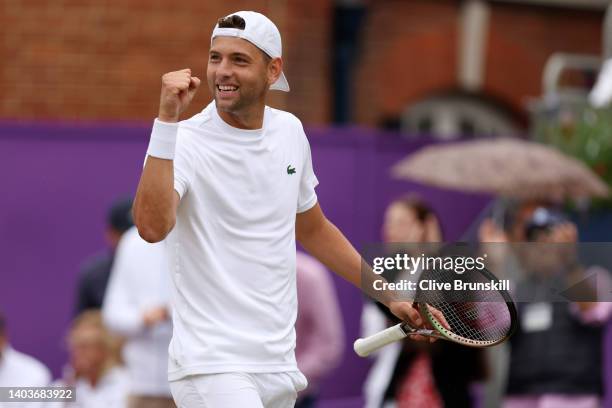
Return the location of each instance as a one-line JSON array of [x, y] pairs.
[[290, 170]]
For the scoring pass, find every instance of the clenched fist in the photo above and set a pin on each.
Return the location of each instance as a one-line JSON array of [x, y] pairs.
[[178, 89]]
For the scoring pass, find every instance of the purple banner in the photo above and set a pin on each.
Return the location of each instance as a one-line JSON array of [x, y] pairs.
[[59, 179]]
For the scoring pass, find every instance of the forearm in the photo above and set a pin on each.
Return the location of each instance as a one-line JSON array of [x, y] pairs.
[[330, 247], [154, 212], [156, 202]]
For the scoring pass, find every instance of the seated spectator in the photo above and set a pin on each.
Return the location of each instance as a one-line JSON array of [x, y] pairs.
[[18, 369], [556, 353], [412, 374], [93, 368]]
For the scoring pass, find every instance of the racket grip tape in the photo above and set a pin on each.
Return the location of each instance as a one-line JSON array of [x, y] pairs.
[[364, 347]]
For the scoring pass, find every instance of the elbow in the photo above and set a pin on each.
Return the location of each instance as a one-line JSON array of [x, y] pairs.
[[151, 226], [152, 234], [153, 223], [306, 235]]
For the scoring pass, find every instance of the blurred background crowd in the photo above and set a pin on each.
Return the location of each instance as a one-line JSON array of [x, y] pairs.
[[493, 116]]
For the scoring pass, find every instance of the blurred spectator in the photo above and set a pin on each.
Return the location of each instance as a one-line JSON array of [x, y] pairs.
[[136, 307], [556, 353], [319, 329], [414, 374], [18, 369], [94, 275], [93, 369]]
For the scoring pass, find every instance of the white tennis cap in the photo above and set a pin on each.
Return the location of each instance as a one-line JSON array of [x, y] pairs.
[[261, 32]]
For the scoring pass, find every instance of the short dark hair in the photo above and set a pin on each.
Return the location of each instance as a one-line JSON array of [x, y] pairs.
[[233, 21]]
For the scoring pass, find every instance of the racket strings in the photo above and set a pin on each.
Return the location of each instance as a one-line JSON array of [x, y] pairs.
[[480, 321], [473, 315]]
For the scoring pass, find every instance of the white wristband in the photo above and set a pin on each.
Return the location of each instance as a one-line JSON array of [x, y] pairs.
[[163, 140]]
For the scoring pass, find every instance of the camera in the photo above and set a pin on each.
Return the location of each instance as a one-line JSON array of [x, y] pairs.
[[542, 221]]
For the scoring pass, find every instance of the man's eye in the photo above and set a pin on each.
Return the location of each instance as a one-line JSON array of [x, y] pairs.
[[214, 58]]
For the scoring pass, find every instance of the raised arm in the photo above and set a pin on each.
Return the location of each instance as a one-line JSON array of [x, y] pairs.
[[156, 201]]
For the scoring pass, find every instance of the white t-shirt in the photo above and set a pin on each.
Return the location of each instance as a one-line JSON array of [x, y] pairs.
[[232, 250], [20, 370], [111, 391]]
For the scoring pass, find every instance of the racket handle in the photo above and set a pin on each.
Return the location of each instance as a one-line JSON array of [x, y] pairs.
[[364, 347]]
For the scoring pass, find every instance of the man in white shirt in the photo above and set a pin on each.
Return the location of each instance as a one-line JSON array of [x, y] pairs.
[[18, 369], [136, 307], [230, 190]]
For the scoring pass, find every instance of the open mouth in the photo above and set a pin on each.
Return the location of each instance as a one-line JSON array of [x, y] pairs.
[[226, 90]]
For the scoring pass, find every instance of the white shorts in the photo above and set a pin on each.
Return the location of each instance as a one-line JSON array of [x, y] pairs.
[[238, 390]]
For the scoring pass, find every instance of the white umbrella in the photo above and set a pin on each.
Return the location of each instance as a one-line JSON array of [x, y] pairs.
[[505, 167]]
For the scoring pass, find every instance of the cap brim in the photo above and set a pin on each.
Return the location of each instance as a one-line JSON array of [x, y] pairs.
[[281, 83]]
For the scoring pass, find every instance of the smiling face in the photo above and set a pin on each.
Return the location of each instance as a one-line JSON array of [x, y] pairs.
[[239, 74]]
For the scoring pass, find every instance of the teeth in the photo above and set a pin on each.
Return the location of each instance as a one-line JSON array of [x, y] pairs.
[[227, 87]]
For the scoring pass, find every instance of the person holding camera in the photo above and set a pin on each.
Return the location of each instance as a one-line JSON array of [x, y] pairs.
[[556, 353]]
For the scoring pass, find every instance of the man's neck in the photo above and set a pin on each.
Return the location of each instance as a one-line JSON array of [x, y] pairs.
[[249, 120]]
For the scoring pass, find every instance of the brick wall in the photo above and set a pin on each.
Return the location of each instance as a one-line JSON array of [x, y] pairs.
[[88, 59], [308, 54], [521, 38], [409, 51]]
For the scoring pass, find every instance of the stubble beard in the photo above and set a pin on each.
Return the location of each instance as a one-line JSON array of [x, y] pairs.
[[243, 102]]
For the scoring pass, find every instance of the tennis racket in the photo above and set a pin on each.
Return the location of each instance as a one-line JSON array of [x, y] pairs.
[[475, 318]]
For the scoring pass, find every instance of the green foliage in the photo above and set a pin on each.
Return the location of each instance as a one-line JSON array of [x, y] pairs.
[[580, 131]]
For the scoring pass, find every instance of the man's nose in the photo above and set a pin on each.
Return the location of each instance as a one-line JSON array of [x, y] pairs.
[[224, 69]]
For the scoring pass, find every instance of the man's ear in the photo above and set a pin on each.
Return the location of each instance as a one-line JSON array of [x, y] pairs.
[[275, 67]]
